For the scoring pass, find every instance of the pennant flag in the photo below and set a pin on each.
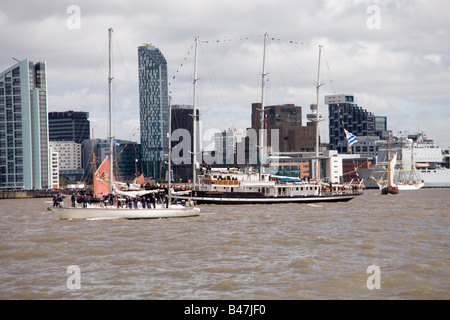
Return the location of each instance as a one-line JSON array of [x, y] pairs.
[[351, 139]]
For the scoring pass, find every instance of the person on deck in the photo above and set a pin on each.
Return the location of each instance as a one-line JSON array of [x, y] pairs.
[[85, 201], [73, 198]]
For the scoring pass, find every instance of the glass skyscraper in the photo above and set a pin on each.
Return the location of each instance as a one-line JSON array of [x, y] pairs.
[[154, 110], [24, 149]]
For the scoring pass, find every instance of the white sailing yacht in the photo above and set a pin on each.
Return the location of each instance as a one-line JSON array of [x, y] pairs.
[[232, 186], [115, 211], [407, 179], [386, 182]]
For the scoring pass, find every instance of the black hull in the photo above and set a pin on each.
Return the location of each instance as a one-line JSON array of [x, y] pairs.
[[236, 198], [389, 190]]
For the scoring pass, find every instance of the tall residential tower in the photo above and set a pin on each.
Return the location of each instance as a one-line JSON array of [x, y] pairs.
[[153, 110], [344, 113], [24, 149]]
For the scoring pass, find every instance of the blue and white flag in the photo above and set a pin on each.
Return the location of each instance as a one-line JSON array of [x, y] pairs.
[[351, 139], [116, 144]]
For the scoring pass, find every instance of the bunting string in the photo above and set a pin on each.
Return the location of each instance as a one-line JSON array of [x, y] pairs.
[[260, 36], [180, 65], [216, 41]]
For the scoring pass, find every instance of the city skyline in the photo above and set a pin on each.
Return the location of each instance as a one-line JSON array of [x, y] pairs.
[[393, 57]]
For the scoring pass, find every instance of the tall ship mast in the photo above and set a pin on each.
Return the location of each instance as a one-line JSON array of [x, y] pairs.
[[234, 186], [316, 169]]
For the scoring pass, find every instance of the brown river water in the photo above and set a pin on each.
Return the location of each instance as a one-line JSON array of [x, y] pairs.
[[373, 247]]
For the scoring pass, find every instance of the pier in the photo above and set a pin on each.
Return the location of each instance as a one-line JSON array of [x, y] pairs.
[[27, 194]]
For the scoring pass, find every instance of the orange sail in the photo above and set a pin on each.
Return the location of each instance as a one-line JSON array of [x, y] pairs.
[[140, 180], [101, 179]]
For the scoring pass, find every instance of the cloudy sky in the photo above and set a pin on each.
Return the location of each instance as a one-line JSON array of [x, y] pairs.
[[392, 55]]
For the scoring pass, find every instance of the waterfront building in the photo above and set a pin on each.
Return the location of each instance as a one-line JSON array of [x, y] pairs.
[[69, 126], [226, 143], [69, 154], [153, 110], [290, 165], [344, 113], [300, 165], [381, 127], [367, 146], [24, 149], [293, 136], [54, 169], [69, 159]]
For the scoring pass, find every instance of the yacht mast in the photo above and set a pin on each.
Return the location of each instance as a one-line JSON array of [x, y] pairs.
[[389, 160], [194, 115], [261, 131], [317, 173], [111, 146], [169, 157], [93, 158]]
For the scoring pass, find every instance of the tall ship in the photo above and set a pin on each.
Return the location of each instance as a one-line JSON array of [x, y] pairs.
[[252, 186], [419, 157]]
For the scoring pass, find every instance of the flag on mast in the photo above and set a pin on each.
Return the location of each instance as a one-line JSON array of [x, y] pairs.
[[351, 139]]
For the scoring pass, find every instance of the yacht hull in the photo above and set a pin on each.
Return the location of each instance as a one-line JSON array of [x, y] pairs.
[[64, 213]]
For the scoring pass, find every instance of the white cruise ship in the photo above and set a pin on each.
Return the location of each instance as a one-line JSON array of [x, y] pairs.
[[430, 161]]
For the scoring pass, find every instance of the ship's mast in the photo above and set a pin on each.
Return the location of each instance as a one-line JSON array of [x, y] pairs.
[[169, 157], [261, 131], [389, 160], [111, 139], [93, 158], [317, 173], [194, 115]]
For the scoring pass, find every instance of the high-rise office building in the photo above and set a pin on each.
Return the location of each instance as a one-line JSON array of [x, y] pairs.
[[183, 118], [69, 126], [153, 110], [24, 149]]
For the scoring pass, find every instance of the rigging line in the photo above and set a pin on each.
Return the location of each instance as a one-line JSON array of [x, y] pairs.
[[180, 65], [131, 84], [329, 72], [215, 86], [279, 74], [312, 78], [234, 39], [97, 71], [341, 117]]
